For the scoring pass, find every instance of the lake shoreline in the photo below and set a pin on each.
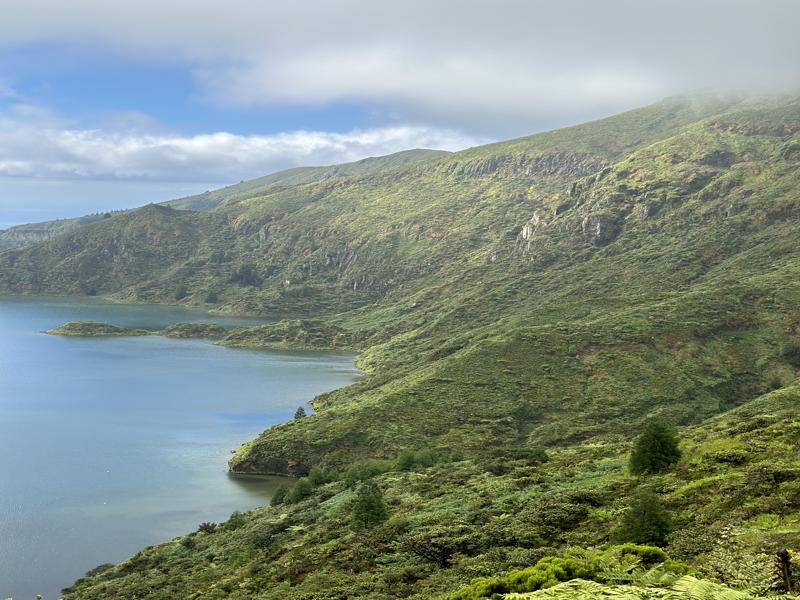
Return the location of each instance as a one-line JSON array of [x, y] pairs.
[[134, 433]]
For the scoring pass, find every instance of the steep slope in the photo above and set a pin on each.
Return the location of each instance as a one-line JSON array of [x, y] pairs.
[[368, 236], [644, 289]]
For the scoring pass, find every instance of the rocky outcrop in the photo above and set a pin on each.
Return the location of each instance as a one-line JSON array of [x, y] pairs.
[[529, 231], [553, 164]]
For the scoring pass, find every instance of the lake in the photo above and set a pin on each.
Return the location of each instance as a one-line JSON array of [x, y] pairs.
[[113, 444]]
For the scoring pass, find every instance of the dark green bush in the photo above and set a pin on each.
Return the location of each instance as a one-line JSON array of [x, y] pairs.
[[246, 275], [361, 471], [791, 352], [301, 489], [180, 292], [646, 521], [279, 496], [319, 476], [207, 527], [235, 521]]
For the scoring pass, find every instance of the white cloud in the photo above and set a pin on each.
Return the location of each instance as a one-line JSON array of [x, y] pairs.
[[34, 143], [513, 64]]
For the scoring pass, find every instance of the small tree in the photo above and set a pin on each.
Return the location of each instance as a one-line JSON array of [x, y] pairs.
[[300, 412], [646, 521], [368, 506], [655, 449]]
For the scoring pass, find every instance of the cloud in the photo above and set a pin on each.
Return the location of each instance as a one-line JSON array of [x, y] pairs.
[[34, 143], [499, 65]]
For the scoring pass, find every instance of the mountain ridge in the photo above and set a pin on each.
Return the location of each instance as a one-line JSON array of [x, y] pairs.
[[20, 235]]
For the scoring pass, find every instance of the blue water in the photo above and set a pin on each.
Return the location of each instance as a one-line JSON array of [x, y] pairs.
[[113, 444]]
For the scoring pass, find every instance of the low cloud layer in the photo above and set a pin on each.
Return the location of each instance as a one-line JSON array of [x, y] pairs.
[[34, 143], [498, 67]]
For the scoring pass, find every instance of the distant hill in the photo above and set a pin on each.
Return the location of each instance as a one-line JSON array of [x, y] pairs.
[[30, 233], [35, 232]]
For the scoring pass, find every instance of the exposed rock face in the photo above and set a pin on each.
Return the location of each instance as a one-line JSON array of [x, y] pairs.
[[600, 228], [554, 164], [529, 230]]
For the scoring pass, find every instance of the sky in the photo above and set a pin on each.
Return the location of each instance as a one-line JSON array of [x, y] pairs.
[[107, 105]]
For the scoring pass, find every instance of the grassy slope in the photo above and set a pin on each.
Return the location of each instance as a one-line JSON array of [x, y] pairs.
[[297, 176], [553, 290]]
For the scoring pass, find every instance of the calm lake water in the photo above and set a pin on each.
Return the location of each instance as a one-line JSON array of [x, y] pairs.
[[110, 445]]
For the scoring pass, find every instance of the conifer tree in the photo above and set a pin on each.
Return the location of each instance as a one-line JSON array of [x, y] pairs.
[[655, 449], [646, 521], [369, 508], [300, 412]]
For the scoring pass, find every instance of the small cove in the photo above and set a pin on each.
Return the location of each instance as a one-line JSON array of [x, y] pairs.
[[112, 444]]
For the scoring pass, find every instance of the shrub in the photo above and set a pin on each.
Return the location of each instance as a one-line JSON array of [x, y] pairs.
[[207, 527], [301, 489], [646, 520], [361, 471], [616, 564], [319, 476], [438, 544], [410, 459], [246, 275], [180, 293], [655, 449], [235, 521], [791, 352], [279, 497]]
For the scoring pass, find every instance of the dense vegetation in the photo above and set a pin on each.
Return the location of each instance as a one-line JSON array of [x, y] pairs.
[[523, 311], [178, 330]]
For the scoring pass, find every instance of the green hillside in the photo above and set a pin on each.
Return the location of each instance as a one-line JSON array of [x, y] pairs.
[[520, 311], [297, 176]]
